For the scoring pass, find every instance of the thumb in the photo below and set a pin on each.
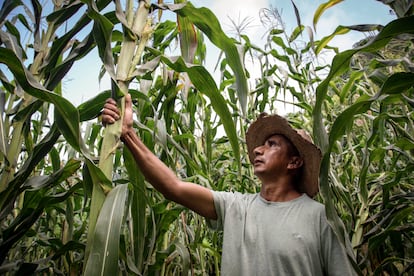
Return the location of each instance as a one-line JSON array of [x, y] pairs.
[[127, 122], [128, 101]]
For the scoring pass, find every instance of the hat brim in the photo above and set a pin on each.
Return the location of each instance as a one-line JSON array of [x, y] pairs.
[[268, 125]]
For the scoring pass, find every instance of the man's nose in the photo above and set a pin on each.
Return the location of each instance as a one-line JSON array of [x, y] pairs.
[[258, 150]]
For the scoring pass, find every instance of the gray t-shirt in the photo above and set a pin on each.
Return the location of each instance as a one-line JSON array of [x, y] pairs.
[[276, 238]]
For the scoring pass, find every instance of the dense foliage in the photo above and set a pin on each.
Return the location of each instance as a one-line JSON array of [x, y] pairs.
[[71, 198]]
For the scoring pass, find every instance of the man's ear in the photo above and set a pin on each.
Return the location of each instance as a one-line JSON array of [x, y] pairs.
[[295, 162]]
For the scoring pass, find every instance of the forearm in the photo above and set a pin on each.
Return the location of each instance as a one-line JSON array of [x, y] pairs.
[[155, 171], [190, 195], [193, 196]]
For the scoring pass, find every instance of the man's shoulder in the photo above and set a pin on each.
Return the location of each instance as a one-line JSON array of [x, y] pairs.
[[313, 205], [235, 195]]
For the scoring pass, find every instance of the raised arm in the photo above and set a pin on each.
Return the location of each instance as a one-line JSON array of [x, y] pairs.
[[190, 195]]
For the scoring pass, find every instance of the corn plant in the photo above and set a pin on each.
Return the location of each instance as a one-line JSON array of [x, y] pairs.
[[367, 100], [72, 199], [102, 196], [36, 180]]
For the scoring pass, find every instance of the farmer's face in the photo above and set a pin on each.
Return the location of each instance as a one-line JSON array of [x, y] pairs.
[[274, 156]]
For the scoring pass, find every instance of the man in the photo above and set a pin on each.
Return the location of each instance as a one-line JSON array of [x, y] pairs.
[[281, 230]]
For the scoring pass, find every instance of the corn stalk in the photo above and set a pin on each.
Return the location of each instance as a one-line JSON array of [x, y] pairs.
[[27, 189], [137, 32], [15, 144]]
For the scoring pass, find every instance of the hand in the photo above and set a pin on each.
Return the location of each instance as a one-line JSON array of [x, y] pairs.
[[111, 113]]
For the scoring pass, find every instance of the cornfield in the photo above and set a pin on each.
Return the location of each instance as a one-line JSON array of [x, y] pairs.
[[71, 198]]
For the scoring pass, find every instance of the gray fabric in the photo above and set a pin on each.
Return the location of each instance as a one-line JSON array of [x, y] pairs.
[[276, 238]]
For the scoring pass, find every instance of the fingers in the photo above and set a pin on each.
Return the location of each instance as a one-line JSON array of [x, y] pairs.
[[110, 112], [110, 104]]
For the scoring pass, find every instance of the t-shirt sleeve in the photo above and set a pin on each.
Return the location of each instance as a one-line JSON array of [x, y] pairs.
[[222, 201], [335, 257]]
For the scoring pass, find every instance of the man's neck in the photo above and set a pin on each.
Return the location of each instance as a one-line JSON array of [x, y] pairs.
[[278, 192]]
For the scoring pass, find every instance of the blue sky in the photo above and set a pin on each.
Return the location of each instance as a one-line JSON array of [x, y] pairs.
[[81, 83], [348, 12]]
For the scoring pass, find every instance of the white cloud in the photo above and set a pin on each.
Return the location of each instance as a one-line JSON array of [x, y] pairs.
[[238, 12], [238, 9]]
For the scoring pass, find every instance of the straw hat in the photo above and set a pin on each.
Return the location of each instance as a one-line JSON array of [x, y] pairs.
[[268, 125]]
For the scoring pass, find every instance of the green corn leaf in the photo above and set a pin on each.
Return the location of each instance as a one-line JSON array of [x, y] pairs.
[[338, 31], [188, 38], [102, 31], [398, 83], [54, 158], [40, 181], [340, 63], [66, 115], [104, 254], [333, 219], [182, 250], [34, 206], [208, 23], [98, 176], [13, 32], [61, 15], [297, 15], [98, 185], [7, 7], [345, 119], [36, 156], [61, 43], [66, 248], [349, 85], [395, 220], [11, 42], [78, 52], [205, 83], [23, 20], [280, 42], [365, 27], [25, 113], [322, 8], [3, 141], [405, 144], [296, 32], [138, 208], [92, 107]]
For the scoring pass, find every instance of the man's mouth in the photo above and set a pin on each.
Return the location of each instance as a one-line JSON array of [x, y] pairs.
[[257, 161]]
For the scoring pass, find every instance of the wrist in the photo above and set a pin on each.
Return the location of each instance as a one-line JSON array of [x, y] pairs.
[[127, 134]]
